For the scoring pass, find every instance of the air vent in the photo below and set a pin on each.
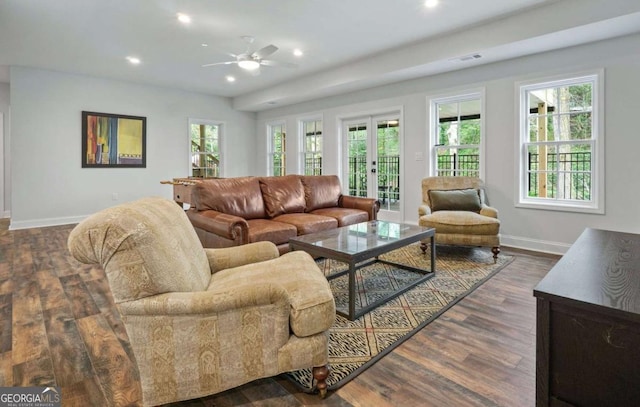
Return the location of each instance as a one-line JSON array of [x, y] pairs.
[[470, 57]]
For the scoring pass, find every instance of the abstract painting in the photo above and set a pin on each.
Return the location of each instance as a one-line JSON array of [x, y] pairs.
[[113, 140]]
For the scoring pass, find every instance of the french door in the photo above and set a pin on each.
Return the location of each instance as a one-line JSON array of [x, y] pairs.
[[372, 161]]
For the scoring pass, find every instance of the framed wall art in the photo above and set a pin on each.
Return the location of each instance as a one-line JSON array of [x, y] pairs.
[[113, 140]]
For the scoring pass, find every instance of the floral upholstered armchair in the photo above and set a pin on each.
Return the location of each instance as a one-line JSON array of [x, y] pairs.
[[201, 321], [457, 208]]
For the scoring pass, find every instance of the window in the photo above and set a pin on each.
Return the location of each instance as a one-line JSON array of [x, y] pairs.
[[277, 148], [205, 148], [559, 144], [457, 135], [311, 146]]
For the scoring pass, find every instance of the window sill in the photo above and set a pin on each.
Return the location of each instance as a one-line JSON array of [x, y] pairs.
[[561, 206]]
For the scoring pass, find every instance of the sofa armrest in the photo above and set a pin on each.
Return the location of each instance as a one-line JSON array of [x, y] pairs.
[[221, 224], [424, 210], [248, 294], [489, 211], [369, 205], [229, 257]]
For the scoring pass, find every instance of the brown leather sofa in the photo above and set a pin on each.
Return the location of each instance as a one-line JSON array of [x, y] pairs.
[[235, 211]]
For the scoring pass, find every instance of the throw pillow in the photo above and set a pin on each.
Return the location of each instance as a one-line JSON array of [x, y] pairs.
[[455, 200]]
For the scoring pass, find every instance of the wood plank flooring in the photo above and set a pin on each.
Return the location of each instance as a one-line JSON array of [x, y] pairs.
[[58, 326]]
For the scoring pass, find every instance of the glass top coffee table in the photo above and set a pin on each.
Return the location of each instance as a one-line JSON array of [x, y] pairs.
[[360, 245]]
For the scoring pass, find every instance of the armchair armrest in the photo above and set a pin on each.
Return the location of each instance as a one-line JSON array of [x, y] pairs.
[[229, 257], [221, 224], [369, 205], [489, 211], [248, 294], [424, 209]]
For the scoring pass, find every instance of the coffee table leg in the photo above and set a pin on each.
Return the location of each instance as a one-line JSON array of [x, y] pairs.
[[433, 254], [352, 291]]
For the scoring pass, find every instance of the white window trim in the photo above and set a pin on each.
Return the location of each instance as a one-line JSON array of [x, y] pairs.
[[270, 152], [449, 97], [221, 131], [301, 140], [596, 205]]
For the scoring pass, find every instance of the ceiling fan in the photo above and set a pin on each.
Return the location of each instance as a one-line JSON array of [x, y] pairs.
[[251, 61]]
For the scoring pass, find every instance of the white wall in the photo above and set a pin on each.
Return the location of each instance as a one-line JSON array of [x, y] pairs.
[[528, 228], [48, 184], [5, 205]]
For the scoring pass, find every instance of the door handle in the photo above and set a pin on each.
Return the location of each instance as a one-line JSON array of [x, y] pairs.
[[373, 170]]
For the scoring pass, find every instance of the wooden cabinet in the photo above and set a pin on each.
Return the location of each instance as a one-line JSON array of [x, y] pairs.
[[588, 324]]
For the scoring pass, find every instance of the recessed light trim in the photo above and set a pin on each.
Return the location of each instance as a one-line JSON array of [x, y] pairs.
[[134, 60], [298, 52], [183, 18]]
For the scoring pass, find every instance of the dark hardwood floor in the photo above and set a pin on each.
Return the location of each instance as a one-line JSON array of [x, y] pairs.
[[58, 326]]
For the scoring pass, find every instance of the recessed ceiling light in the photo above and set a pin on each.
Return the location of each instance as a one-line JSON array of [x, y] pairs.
[[297, 52], [204, 44], [183, 18], [133, 60], [431, 3], [230, 78]]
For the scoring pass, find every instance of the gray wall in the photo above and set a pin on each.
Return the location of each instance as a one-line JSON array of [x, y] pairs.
[[536, 229], [48, 185]]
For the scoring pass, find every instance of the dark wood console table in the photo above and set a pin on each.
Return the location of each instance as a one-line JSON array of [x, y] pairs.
[[588, 324]]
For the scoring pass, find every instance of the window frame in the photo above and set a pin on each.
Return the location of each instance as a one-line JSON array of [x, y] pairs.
[[434, 130], [270, 147], [302, 122], [523, 200], [221, 152]]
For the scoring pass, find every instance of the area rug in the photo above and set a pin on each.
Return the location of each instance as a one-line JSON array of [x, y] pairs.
[[356, 345]]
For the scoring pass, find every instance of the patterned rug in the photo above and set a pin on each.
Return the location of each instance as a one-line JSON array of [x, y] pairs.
[[356, 345]]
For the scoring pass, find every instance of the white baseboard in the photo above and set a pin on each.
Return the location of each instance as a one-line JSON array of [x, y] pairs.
[[536, 245], [40, 223]]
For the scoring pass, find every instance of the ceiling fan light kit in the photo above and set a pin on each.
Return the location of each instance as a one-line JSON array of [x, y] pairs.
[[251, 61], [248, 64]]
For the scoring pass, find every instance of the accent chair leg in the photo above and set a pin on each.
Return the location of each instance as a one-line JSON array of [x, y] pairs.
[[423, 247], [495, 250], [320, 374]]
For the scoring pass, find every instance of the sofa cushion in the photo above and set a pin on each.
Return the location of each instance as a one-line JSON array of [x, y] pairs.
[[344, 216], [234, 196], [460, 222], [282, 195], [267, 230], [455, 200], [306, 223], [321, 191]]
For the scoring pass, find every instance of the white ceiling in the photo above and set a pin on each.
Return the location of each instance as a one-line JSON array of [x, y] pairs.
[[347, 44]]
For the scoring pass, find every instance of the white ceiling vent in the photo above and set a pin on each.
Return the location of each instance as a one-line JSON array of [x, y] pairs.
[[469, 57]]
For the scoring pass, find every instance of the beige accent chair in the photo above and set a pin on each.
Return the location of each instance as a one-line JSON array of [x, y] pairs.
[[458, 217], [201, 321]]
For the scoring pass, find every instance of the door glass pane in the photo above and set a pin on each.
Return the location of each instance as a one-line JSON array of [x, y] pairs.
[[357, 150], [388, 164]]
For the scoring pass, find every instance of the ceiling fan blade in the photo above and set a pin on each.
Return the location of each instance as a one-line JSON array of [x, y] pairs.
[[220, 63], [264, 52]]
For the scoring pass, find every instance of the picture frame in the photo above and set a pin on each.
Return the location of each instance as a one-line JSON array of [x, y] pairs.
[[113, 140]]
